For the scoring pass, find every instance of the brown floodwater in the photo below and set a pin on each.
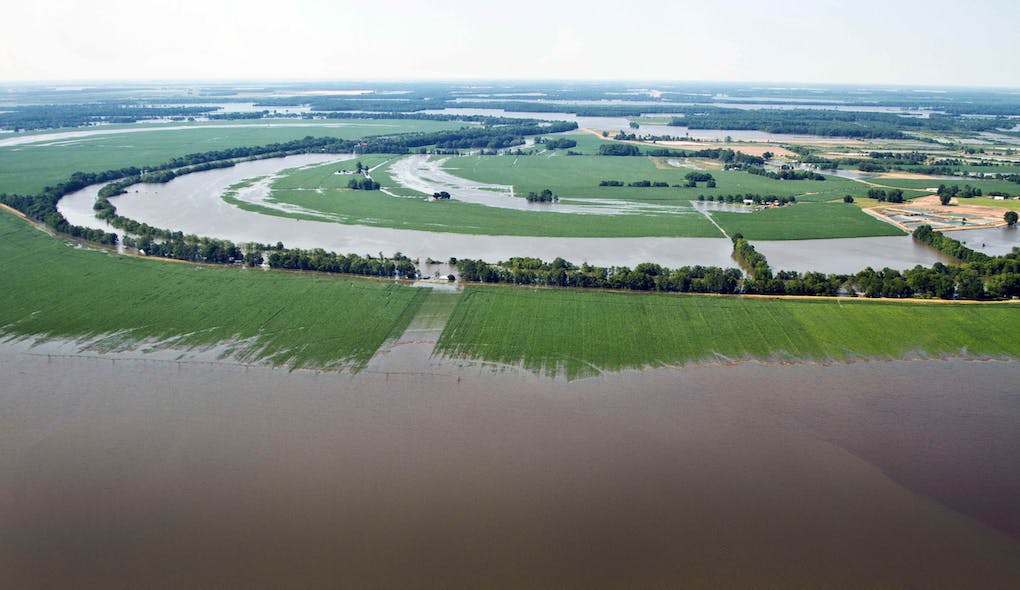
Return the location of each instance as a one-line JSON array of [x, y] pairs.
[[121, 472]]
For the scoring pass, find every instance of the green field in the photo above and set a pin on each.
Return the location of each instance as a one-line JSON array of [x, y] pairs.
[[573, 177], [805, 221], [49, 289], [28, 168], [579, 333], [376, 208], [579, 176], [985, 185]]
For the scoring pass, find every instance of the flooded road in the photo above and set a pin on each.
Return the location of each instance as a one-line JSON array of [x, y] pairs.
[[152, 473]]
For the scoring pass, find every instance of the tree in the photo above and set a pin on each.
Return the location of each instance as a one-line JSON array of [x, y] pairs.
[[944, 198], [1011, 217], [848, 199]]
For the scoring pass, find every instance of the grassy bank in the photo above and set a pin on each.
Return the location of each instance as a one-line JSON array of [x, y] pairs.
[[52, 290], [577, 333]]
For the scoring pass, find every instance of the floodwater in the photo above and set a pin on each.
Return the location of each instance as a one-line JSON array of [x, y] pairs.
[[848, 255], [125, 472], [994, 241], [192, 204], [614, 124]]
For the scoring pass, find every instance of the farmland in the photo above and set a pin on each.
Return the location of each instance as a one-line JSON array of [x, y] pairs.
[[578, 333], [29, 167], [805, 221], [377, 208], [575, 179], [116, 302]]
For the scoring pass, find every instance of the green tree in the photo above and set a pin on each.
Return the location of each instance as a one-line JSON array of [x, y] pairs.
[[1011, 217]]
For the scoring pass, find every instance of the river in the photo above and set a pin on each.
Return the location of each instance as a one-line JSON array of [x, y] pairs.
[[193, 204]]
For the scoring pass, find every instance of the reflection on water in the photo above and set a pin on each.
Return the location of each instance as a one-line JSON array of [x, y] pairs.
[[156, 474]]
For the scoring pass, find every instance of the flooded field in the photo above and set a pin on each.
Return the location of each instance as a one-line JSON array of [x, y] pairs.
[[613, 124], [126, 472], [994, 241], [849, 255], [192, 204]]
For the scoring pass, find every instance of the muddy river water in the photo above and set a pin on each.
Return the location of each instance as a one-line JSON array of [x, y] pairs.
[[193, 204], [135, 472]]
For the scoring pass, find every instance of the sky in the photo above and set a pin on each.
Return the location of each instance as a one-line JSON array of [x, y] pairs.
[[931, 42]]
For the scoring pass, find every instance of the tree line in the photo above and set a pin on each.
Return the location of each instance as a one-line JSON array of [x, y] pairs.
[[784, 174], [51, 116], [894, 195], [757, 199], [980, 277], [546, 196]]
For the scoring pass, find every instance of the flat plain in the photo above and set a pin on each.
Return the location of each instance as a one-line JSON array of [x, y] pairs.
[[112, 302], [579, 333]]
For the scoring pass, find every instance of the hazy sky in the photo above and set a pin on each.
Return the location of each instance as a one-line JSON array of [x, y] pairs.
[[935, 42]]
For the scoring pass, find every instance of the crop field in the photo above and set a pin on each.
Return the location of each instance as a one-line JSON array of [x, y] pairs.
[[319, 189], [579, 176], [805, 221], [923, 183], [28, 168], [376, 208], [114, 302], [581, 333], [326, 176], [1012, 204]]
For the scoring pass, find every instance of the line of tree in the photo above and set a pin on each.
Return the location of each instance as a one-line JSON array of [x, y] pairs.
[[51, 116], [751, 260], [784, 174], [947, 245], [693, 178], [559, 272], [546, 196], [557, 144], [825, 122], [363, 184], [320, 260], [966, 192], [891, 196], [753, 197], [982, 277], [619, 149]]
